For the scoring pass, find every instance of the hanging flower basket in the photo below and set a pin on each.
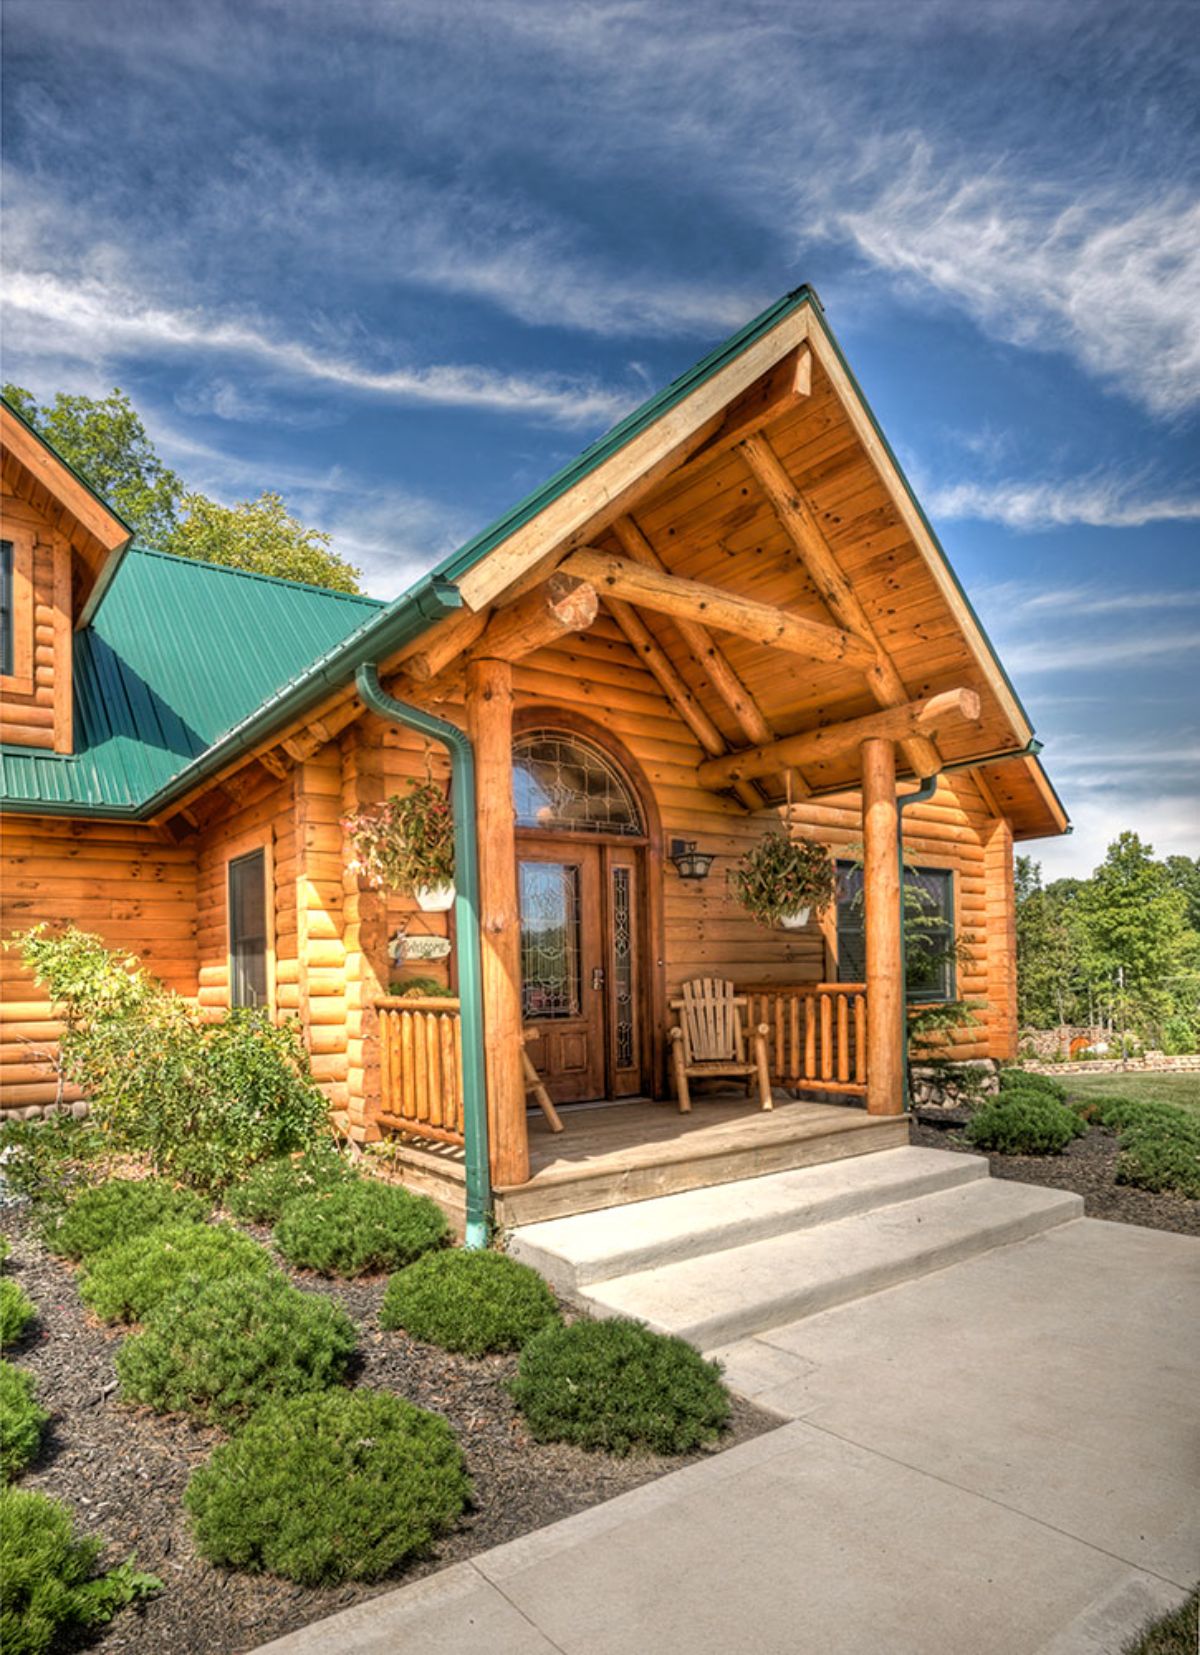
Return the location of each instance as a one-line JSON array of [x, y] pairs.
[[782, 880], [406, 845]]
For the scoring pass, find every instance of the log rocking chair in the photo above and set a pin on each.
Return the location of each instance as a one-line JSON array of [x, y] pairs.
[[709, 1041]]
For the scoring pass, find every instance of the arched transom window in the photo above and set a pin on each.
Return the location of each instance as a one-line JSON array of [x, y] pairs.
[[567, 784]]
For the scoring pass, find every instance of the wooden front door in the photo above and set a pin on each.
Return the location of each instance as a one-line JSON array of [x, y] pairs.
[[562, 965]]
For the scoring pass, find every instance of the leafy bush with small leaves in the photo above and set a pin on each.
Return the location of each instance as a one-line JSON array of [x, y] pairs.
[[359, 1227], [1161, 1153], [121, 1210], [22, 1421], [50, 1160], [17, 1312], [202, 1100], [1023, 1123], [320, 1489], [616, 1385], [223, 1349], [126, 1281], [1024, 1080], [262, 1196], [50, 1593], [472, 1302]]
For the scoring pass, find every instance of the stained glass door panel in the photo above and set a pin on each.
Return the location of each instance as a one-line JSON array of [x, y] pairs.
[[562, 970]]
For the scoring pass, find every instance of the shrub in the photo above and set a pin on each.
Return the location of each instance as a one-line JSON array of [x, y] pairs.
[[5, 1250], [472, 1302], [262, 1196], [201, 1100], [615, 1385], [21, 1420], [1023, 1080], [1118, 1114], [17, 1311], [48, 1160], [1160, 1154], [120, 1210], [1024, 1124], [126, 1281], [341, 1486], [221, 1351], [358, 1227], [50, 1593]]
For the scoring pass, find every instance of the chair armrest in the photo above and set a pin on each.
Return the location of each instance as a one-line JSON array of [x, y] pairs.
[[675, 1034]]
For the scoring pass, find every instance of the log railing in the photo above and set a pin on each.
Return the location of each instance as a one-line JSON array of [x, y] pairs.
[[817, 1033], [420, 1062]]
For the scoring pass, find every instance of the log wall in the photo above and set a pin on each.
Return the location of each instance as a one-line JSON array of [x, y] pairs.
[[35, 701]]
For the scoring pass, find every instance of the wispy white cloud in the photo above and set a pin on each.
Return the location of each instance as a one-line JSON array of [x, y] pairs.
[[1153, 647], [1098, 501], [98, 320]]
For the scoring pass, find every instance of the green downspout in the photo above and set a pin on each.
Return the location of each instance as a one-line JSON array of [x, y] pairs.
[[921, 796], [466, 917]]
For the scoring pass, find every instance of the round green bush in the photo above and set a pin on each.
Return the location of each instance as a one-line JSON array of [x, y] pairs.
[[17, 1311], [320, 1489], [1023, 1080], [224, 1349], [1120, 1113], [50, 1594], [359, 1227], [617, 1386], [471, 1302], [127, 1280], [21, 1420], [116, 1211], [1024, 1124], [1162, 1154], [262, 1196]]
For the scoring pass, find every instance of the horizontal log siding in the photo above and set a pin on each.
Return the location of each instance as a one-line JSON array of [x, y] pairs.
[[128, 884], [41, 716]]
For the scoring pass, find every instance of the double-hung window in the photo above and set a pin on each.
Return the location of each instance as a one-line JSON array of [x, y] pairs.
[[928, 930], [248, 940], [7, 619]]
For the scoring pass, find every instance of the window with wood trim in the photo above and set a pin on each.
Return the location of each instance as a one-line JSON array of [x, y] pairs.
[[928, 930], [6, 609], [249, 939]]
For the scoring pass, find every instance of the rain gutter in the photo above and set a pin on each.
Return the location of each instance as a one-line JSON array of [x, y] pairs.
[[466, 918]]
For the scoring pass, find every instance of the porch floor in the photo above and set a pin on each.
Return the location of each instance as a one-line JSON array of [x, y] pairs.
[[614, 1153]]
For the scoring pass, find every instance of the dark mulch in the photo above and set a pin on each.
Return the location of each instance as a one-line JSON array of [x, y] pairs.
[[1087, 1166], [123, 1470]]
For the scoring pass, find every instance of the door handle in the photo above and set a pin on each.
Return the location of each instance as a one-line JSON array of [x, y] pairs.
[[597, 976]]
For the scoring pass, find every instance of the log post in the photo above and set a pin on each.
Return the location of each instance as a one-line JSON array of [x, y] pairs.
[[489, 716], [884, 938]]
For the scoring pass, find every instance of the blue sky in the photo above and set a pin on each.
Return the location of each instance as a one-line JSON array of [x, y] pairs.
[[400, 259]]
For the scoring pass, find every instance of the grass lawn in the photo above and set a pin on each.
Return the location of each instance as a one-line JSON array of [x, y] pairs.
[[1183, 1090], [1174, 1634]]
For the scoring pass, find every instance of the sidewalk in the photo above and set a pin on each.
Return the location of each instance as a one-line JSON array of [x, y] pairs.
[[999, 1459]]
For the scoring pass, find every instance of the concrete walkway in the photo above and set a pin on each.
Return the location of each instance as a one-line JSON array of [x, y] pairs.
[[996, 1459]]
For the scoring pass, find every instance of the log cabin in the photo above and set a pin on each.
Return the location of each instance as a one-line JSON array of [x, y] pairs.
[[728, 615]]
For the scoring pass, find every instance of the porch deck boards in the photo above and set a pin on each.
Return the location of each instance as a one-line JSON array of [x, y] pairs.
[[611, 1154]]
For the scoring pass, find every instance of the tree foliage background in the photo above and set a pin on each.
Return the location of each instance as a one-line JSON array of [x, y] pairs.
[[105, 441], [1121, 948]]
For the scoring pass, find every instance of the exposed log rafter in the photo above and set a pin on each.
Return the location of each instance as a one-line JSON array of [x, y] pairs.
[[558, 606]]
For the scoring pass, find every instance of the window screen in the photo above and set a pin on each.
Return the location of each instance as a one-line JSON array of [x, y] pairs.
[[928, 930], [248, 930], [6, 607]]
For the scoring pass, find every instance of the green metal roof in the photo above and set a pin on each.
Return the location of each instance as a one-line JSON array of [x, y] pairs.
[[179, 653]]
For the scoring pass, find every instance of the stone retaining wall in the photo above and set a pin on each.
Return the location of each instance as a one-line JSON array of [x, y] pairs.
[[1115, 1066]]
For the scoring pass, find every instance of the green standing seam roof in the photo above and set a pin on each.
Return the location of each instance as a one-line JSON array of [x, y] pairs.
[[155, 707]]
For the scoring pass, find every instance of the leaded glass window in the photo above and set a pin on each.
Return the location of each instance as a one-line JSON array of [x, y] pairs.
[[565, 783], [550, 942], [622, 944]]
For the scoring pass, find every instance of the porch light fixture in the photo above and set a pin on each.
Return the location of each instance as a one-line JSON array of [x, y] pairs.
[[690, 863]]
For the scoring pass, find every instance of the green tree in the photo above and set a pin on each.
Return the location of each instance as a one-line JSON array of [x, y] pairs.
[[1133, 918], [1184, 874], [261, 535], [106, 443], [1048, 963]]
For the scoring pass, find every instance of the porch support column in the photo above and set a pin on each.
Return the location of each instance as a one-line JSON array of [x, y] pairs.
[[489, 717], [885, 946]]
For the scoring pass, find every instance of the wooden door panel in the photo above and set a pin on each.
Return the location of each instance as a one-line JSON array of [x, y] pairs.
[[562, 977]]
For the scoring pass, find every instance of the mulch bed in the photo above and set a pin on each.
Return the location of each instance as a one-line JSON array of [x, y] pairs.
[[1088, 1166], [123, 1470]]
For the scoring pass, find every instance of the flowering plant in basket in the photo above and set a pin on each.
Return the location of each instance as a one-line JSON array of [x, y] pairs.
[[404, 844], [780, 880]]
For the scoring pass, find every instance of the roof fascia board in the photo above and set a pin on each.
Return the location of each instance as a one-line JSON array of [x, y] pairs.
[[870, 433], [569, 503]]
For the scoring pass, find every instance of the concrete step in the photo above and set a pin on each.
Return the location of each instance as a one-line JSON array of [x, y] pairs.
[[572, 1253], [717, 1298]]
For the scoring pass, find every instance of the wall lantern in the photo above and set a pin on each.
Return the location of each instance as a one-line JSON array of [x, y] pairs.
[[690, 863]]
